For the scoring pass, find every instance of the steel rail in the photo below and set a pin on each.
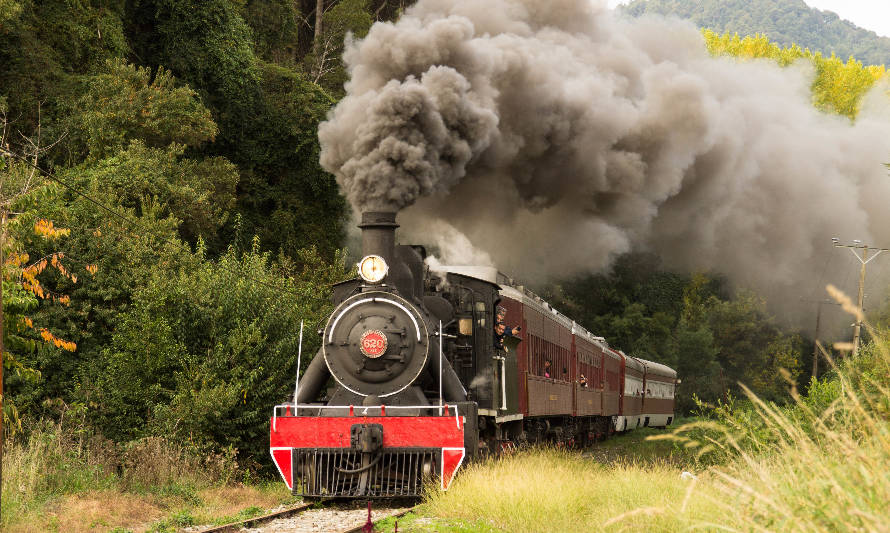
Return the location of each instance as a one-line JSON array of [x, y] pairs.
[[361, 527], [253, 522], [290, 512]]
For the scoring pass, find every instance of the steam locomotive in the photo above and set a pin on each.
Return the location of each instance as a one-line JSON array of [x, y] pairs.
[[421, 386]]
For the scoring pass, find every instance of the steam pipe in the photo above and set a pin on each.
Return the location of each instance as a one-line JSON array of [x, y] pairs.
[[452, 389], [314, 378]]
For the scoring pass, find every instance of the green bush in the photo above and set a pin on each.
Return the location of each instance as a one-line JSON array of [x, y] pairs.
[[204, 354]]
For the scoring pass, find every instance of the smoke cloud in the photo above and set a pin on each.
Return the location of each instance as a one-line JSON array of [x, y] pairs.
[[451, 247], [556, 137]]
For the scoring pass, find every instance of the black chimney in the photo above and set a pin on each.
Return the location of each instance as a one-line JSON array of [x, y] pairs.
[[379, 238], [379, 235]]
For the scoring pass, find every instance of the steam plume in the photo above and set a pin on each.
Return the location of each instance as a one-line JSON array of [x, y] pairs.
[[555, 137]]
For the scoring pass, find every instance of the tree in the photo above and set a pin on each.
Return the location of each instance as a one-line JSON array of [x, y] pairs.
[[347, 19], [22, 189], [276, 29], [837, 88], [125, 102], [204, 354], [43, 52], [713, 338], [198, 193], [267, 116], [697, 366], [9, 10], [752, 350], [319, 21], [143, 185], [784, 21]]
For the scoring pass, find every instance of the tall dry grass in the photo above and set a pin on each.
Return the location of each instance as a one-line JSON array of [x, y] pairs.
[[58, 459], [52, 461], [820, 463], [557, 490]]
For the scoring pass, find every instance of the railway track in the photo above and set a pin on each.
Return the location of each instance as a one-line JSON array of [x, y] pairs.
[[363, 527], [251, 522], [308, 518]]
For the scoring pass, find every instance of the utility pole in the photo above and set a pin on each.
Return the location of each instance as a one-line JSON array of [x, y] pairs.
[[857, 329], [819, 304], [816, 342], [864, 260]]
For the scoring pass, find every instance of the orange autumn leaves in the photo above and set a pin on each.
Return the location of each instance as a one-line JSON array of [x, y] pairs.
[[29, 273], [59, 343], [33, 285], [45, 228]]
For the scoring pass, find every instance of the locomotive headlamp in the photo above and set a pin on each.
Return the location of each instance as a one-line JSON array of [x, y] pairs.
[[373, 268]]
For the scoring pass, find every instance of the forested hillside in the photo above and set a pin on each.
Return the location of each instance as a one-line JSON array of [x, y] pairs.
[[785, 22], [159, 171], [165, 224]]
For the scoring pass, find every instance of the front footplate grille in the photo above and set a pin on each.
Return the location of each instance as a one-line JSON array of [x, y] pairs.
[[388, 473]]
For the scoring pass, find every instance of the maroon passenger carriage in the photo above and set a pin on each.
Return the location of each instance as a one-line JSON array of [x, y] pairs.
[[408, 382], [619, 393]]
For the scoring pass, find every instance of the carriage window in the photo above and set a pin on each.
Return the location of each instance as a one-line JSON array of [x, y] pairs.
[[466, 300], [480, 307], [465, 326], [588, 377]]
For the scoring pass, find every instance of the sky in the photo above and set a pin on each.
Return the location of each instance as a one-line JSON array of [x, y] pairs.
[[872, 15]]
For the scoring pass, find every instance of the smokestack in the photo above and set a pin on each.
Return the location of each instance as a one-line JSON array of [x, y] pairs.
[[379, 238], [379, 235]]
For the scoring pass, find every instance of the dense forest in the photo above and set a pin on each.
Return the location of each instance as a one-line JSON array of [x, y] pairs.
[[166, 225], [785, 22]]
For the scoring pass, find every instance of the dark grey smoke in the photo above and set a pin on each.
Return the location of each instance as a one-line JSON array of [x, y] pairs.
[[555, 137]]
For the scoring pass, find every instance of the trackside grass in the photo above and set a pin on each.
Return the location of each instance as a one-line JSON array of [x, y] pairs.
[[63, 478], [822, 463], [554, 490]]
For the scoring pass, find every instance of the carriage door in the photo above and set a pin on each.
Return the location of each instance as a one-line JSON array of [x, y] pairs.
[[488, 366], [465, 346], [475, 342]]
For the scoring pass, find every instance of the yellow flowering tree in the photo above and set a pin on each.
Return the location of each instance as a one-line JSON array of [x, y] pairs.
[[838, 86]]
